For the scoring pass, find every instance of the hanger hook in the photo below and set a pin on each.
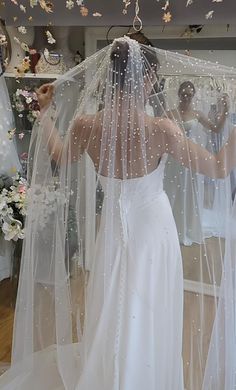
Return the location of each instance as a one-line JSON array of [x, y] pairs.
[[137, 22]]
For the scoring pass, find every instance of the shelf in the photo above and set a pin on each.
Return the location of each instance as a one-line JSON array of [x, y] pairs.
[[33, 76]]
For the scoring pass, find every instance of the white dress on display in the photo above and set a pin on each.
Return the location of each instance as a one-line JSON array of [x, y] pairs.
[[9, 165]]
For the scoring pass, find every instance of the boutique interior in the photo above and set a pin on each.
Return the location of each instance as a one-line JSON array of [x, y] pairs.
[[39, 47]]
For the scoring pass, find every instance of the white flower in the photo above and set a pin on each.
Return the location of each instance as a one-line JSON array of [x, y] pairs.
[[166, 5], [22, 8], [35, 114], [33, 3], [44, 203], [97, 15], [70, 4], [2, 201], [15, 197], [209, 15], [3, 39], [22, 30], [21, 136], [50, 38], [18, 92], [6, 212], [20, 107], [29, 100], [13, 231]]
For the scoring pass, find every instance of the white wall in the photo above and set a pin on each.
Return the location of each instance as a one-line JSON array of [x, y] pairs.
[[158, 33]]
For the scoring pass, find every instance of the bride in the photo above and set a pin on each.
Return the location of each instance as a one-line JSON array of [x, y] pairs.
[[117, 323]]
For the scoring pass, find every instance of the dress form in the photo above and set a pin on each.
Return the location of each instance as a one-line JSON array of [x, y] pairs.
[[17, 53]]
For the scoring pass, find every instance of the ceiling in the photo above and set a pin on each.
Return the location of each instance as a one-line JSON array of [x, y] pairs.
[[111, 10]]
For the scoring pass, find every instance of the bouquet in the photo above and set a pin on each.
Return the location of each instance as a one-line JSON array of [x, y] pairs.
[[26, 102], [13, 196]]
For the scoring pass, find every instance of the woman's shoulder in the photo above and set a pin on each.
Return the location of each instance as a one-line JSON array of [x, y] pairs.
[[162, 125], [85, 121]]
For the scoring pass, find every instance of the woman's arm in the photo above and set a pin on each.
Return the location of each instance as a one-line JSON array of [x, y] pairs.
[[50, 133], [74, 145], [220, 119], [192, 155]]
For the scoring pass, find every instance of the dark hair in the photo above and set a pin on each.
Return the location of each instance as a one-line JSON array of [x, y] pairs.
[[185, 85], [140, 38], [120, 54]]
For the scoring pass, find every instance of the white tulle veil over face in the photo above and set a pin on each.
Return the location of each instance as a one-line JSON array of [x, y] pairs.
[[113, 120]]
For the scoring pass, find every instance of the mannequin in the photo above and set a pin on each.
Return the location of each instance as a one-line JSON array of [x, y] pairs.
[[17, 53]]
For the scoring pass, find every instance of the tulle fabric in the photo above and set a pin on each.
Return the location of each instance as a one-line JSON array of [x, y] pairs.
[[104, 299], [221, 363]]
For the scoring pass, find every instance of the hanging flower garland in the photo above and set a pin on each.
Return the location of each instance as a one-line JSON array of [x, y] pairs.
[[71, 5], [167, 14], [48, 7]]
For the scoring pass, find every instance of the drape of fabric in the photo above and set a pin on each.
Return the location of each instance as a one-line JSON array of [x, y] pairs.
[[109, 297]]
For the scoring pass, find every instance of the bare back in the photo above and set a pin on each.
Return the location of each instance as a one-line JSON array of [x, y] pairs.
[[137, 152]]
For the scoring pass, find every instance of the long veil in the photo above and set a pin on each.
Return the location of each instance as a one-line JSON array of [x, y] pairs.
[[96, 154], [221, 360]]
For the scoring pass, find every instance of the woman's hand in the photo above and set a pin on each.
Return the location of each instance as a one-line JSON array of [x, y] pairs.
[[45, 94], [225, 102]]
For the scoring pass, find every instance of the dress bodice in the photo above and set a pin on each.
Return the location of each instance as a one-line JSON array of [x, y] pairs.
[[193, 130], [136, 191], [190, 124]]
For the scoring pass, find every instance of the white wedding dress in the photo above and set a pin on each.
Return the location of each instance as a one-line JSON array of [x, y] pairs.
[[138, 328], [132, 337]]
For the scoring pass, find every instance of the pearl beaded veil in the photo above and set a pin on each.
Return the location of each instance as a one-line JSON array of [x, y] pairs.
[[114, 118]]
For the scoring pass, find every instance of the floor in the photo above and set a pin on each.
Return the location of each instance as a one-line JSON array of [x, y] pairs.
[[193, 329], [6, 320]]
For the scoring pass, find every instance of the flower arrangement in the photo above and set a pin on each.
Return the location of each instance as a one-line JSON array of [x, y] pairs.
[[25, 101], [13, 193]]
